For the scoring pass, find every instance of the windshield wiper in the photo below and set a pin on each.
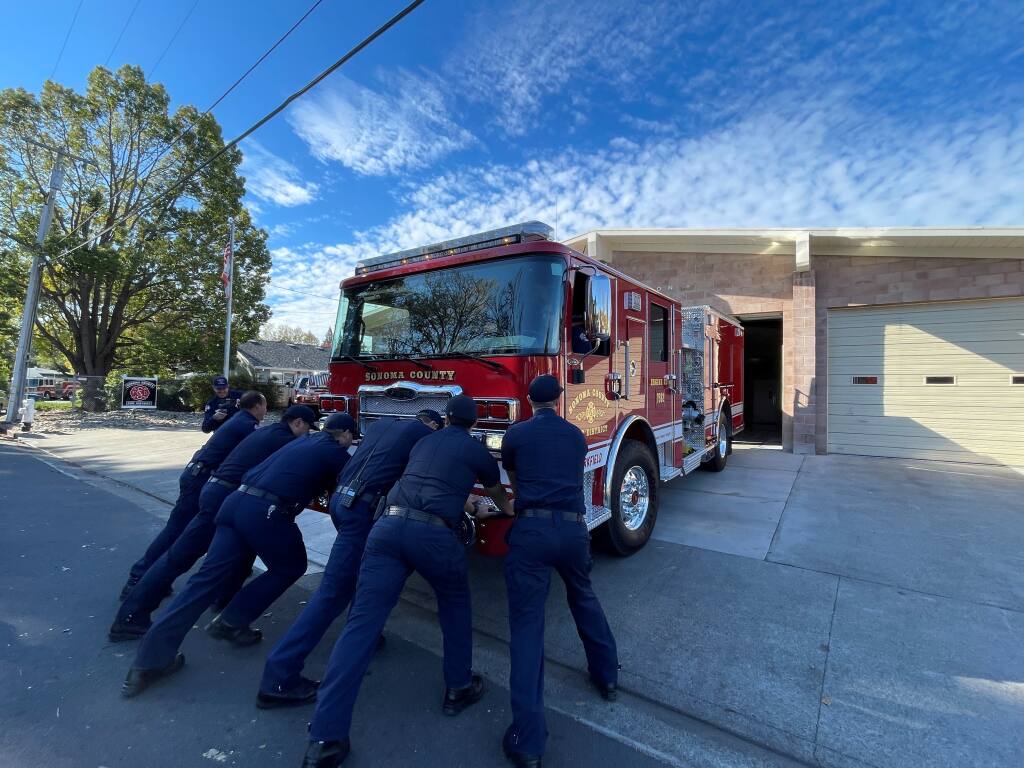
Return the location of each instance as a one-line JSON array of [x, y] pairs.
[[417, 363], [471, 356], [367, 366]]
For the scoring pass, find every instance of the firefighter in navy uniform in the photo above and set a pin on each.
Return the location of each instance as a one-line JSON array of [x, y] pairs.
[[194, 477], [133, 619], [222, 406], [415, 533], [382, 455], [544, 460], [257, 519]]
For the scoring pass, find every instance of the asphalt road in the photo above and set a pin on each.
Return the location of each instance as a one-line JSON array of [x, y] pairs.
[[65, 546]]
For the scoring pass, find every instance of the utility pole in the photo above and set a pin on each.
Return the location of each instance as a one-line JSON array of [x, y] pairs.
[[28, 314], [231, 293]]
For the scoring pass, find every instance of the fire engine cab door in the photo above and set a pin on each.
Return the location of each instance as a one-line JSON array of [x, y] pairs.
[[661, 399]]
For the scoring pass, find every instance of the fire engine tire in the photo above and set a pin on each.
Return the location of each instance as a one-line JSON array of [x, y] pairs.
[[633, 518], [722, 447], [48, 395]]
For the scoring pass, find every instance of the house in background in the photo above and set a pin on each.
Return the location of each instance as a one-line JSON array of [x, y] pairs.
[[280, 362]]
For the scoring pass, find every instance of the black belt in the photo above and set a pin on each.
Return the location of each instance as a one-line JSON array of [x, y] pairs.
[[417, 515], [197, 468], [259, 493], [225, 483], [548, 514]]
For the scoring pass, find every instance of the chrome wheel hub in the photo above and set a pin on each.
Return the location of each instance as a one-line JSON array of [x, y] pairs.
[[723, 440], [634, 498]]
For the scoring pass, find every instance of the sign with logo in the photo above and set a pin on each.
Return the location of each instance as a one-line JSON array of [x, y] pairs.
[[589, 409], [138, 393]]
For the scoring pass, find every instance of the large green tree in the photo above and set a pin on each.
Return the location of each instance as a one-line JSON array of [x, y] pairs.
[[133, 258]]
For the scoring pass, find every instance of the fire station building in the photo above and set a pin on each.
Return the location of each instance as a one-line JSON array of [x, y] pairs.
[[879, 342]]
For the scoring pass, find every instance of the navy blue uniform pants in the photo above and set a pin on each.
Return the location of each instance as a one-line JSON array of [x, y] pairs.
[[284, 665], [536, 546], [245, 528], [395, 548], [182, 555], [185, 508]]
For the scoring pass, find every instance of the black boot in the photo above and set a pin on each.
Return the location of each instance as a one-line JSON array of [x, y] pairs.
[[519, 759], [240, 636], [132, 581], [608, 691], [326, 754], [457, 699], [302, 692], [128, 628], [139, 679]]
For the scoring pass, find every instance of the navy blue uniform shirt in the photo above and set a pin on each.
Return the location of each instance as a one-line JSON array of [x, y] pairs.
[[383, 454], [223, 441], [442, 469], [546, 453], [229, 404], [301, 470], [252, 450]]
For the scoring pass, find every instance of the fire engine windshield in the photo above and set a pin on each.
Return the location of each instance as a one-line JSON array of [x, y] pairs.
[[494, 307]]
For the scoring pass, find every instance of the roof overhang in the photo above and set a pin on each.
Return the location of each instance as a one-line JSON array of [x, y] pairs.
[[802, 244]]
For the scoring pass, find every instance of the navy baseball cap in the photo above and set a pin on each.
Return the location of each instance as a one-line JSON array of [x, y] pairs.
[[341, 422], [545, 389], [303, 412], [220, 381], [432, 415], [461, 407]]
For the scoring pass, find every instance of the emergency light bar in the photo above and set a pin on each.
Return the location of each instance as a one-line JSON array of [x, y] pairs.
[[517, 233]]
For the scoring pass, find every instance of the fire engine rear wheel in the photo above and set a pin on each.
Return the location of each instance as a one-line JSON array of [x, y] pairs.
[[634, 501], [722, 445]]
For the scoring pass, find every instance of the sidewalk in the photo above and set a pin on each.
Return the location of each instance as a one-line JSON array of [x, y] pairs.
[[845, 611]]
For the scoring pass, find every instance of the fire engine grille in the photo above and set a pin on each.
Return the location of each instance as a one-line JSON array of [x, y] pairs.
[[402, 400]]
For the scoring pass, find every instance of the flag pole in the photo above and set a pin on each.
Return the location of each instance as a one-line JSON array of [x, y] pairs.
[[230, 292]]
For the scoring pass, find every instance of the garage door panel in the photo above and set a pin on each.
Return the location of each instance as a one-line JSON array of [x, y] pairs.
[[1008, 330], [955, 425], [980, 343], [877, 408], [918, 453], [918, 315]]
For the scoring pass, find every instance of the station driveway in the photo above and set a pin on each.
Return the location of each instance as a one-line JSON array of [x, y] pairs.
[[846, 611]]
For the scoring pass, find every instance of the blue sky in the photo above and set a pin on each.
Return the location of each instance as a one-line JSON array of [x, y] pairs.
[[603, 113]]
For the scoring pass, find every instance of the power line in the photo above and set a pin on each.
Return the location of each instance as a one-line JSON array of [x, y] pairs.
[[173, 38], [126, 23], [194, 123], [64, 45], [292, 290], [261, 122]]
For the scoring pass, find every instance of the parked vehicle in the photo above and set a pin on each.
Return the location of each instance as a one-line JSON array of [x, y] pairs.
[[656, 387], [50, 388], [307, 390]]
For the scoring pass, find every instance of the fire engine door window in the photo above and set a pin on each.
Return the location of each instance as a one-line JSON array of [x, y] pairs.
[[659, 334], [488, 308]]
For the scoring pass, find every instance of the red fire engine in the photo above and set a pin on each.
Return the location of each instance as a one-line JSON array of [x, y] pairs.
[[656, 387]]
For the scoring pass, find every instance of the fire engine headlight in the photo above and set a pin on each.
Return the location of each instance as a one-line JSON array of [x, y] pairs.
[[493, 442]]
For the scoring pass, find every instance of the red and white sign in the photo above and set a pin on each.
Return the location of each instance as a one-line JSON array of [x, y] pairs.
[[138, 393]]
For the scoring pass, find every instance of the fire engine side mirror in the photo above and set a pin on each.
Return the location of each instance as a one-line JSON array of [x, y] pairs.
[[598, 321]]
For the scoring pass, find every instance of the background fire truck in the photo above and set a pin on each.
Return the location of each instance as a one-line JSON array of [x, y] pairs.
[[656, 387]]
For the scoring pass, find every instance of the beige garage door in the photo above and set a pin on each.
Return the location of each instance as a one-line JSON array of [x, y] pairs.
[[943, 380]]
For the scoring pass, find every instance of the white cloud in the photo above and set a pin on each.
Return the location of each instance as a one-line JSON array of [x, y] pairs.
[[767, 170], [521, 53], [404, 125], [274, 179]]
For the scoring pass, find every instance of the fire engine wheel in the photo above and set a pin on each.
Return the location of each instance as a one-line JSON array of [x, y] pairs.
[[721, 456], [634, 501], [48, 395]]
